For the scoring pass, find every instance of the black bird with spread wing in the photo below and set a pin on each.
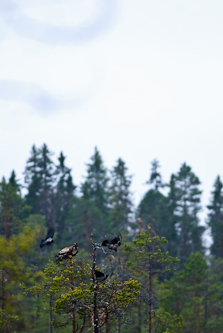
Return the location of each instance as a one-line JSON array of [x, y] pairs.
[[100, 276], [113, 244], [49, 238], [67, 252]]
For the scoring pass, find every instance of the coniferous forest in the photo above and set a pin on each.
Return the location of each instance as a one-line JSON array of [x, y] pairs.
[[105, 265]]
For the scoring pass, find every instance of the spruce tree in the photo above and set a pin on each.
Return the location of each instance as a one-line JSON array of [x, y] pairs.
[[187, 207], [33, 180], [40, 178], [82, 219], [11, 206], [172, 217], [62, 193], [95, 187], [120, 197], [152, 209], [155, 176], [215, 218], [14, 182]]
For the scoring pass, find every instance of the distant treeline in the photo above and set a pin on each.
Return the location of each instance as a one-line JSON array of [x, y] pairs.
[[105, 202]]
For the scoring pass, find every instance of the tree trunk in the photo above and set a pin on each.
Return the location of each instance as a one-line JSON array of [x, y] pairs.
[[96, 323], [82, 326], [51, 314], [119, 325], [150, 297], [6, 219], [139, 319], [73, 311]]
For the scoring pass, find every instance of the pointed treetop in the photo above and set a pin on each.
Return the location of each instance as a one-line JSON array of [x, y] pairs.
[[155, 176]]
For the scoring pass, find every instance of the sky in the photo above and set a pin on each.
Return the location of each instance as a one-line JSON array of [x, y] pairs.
[[138, 79]]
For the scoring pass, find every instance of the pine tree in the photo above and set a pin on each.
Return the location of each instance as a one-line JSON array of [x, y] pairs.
[[120, 197], [215, 218], [149, 259]]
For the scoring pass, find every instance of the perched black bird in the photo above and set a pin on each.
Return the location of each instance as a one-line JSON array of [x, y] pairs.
[[67, 252], [113, 244], [49, 238], [100, 276]]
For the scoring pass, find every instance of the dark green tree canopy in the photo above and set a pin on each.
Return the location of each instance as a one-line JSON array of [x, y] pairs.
[[215, 218], [95, 187], [120, 197], [155, 176]]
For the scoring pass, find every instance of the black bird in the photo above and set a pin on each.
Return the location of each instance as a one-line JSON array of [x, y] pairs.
[[67, 252], [49, 238], [113, 244], [100, 276]]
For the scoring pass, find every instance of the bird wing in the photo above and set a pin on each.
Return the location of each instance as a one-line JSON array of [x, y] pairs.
[[65, 250], [105, 242], [98, 273], [116, 240], [42, 243], [50, 233]]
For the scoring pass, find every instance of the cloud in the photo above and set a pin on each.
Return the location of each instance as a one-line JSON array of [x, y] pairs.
[[15, 17], [35, 96]]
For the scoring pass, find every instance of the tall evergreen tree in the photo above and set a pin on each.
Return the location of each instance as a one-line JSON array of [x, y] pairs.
[[14, 182], [33, 179], [215, 218], [11, 204], [40, 178], [120, 197], [152, 209], [172, 217], [62, 194], [155, 176], [82, 219], [187, 208], [95, 187]]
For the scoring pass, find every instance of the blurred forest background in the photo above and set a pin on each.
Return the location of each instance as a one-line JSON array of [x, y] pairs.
[[184, 295]]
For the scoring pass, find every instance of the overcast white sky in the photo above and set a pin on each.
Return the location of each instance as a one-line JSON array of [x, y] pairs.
[[138, 79]]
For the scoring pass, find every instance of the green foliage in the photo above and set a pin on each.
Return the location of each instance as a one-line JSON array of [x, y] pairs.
[[155, 176], [187, 207], [195, 293], [7, 320], [141, 287], [14, 271], [11, 208], [215, 218], [120, 197], [95, 187], [148, 252], [148, 260], [169, 323], [70, 286], [82, 219]]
